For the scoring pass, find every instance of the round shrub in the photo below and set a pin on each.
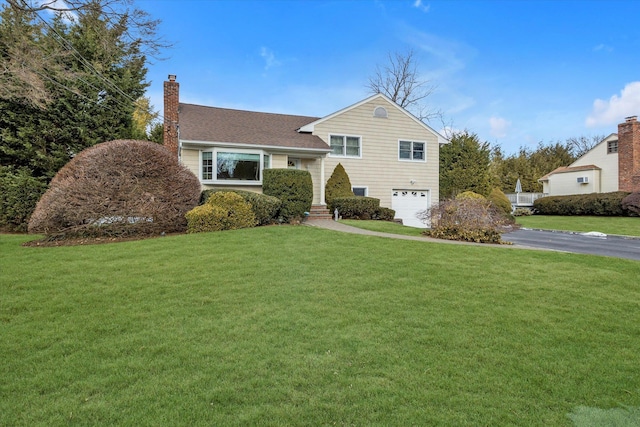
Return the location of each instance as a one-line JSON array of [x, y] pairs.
[[264, 207], [631, 203], [338, 185], [293, 187], [117, 188], [500, 201], [223, 210]]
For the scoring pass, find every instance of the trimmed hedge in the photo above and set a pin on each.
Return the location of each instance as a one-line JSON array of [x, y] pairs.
[[595, 204], [356, 207], [384, 214], [221, 211], [293, 187], [264, 207], [19, 194]]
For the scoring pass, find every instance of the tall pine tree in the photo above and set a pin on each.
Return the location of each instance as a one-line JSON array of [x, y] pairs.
[[464, 166]]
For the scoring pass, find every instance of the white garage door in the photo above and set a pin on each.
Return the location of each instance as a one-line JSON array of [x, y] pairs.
[[407, 203]]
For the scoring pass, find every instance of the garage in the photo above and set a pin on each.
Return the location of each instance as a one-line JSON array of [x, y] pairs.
[[407, 203]]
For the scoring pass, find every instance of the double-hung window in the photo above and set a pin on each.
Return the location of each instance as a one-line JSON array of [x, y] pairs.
[[412, 151], [612, 146], [345, 146]]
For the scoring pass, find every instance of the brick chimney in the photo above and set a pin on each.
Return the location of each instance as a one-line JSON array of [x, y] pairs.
[[171, 100], [629, 155]]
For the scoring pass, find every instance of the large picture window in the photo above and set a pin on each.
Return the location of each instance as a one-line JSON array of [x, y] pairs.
[[237, 166], [345, 146], [411, 150], [233, 166]]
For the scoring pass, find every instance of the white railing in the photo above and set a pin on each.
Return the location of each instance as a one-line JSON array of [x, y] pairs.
[[524, 199]]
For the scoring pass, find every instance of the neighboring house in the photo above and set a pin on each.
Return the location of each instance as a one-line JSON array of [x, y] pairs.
[[387, 152], [612, 165]]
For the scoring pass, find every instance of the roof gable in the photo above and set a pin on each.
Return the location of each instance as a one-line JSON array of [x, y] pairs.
[[310, 126], [611, 137]]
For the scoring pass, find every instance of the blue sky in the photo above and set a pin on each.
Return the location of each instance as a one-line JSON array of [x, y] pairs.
[[515, 72]]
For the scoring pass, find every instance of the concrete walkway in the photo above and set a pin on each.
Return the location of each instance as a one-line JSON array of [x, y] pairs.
[[338, 226]]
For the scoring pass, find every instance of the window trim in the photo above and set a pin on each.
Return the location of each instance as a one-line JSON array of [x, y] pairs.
[[344, 150], [365, 187], [411, 159], [214, 154]]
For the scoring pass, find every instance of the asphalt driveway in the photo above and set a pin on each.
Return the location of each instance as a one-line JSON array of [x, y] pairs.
[[583, 243]]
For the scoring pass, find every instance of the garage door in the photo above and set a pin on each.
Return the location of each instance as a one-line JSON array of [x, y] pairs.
[[407, 203]]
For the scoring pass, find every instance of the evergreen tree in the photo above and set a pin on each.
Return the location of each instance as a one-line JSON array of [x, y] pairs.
[[67, 84], [528, 166], [93, 102], [464, 166], [338, 185]]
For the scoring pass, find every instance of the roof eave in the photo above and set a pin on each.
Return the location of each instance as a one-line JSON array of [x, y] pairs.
[[280, 148]]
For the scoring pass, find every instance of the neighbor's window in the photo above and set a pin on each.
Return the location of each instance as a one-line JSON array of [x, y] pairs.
[[345, 146], [612, 147], [411, 150]]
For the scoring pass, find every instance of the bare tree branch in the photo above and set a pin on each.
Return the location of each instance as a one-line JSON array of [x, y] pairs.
[[581, 144], [400, 81], [28, 63]]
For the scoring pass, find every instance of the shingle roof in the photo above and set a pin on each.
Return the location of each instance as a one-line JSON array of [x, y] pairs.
[[563, 169], [212, 124]]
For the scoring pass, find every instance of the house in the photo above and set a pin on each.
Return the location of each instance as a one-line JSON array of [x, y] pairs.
[[387, 152], [612, 165]]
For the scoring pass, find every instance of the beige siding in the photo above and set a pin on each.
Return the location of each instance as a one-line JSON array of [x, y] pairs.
[[562, 184], [278, 161], [314, 168], [607, 162], [191, 159], [379, 168]]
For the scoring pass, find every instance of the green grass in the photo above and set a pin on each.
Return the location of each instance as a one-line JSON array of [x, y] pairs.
[[626, 226], [384, 227], [304, 326]]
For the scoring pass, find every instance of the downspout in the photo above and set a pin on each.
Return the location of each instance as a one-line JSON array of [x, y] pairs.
[[179, 144]]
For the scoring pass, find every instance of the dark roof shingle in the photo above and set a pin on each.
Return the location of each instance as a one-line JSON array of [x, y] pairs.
[[212, 124]]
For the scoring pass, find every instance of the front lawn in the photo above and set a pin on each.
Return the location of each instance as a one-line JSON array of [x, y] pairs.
[[304, 326], [626, 226]]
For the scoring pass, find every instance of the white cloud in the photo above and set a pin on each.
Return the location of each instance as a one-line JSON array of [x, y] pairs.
[[423, 7], [616, 108], [602, 48], [269, 58], [499, 126]]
